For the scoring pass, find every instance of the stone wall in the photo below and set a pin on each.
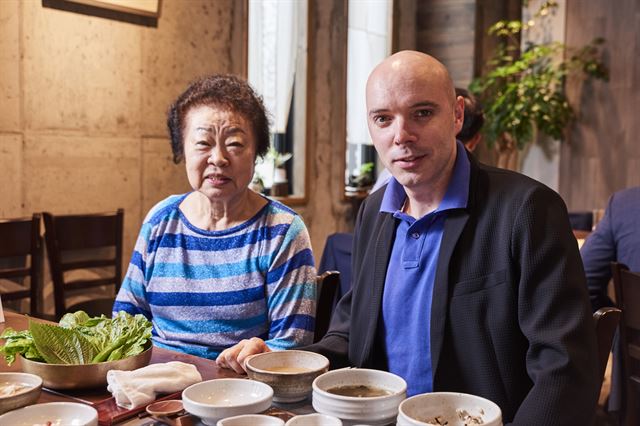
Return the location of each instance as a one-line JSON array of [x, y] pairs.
[[83, 102]]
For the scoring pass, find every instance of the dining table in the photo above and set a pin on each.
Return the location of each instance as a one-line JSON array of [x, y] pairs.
[[109, 413]]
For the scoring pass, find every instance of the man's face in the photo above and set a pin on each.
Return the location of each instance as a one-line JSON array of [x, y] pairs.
[[413, 121]]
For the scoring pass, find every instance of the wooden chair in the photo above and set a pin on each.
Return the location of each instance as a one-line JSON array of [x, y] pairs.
[[81, 242], [606, 321], [329, 282], [627, 289], [20, 238]]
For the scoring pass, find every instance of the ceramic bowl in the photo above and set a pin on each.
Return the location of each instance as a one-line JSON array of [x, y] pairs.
[[289, 373], [18, 390], [452, 407], [315, 419], [216, 399], [372, 410], [84, 376], [252, 420], [54, 413]]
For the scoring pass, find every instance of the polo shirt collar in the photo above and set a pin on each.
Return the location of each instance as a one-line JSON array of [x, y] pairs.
[[455, 197]]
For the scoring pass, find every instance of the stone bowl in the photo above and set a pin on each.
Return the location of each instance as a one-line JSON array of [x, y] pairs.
[[370, 410], [450, 407], [289, 373]]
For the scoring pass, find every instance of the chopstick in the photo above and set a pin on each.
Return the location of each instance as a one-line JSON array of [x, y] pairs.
[[75, 398]]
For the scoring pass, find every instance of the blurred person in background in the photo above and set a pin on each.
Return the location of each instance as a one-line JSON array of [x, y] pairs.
[[615, 239]]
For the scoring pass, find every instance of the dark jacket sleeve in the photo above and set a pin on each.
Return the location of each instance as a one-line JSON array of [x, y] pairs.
[[598, 251], [554, 316], [335, 344]]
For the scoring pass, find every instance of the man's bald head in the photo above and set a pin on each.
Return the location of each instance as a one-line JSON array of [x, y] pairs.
[[410, 65]]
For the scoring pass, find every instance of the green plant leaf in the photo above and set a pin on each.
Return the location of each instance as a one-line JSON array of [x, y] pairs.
[[59, 345]]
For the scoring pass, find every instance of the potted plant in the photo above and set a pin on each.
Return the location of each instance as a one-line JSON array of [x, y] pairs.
[[524, 92], [270, 176], [363, 179]]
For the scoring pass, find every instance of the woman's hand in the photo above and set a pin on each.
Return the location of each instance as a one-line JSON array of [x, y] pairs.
[[234, 356]]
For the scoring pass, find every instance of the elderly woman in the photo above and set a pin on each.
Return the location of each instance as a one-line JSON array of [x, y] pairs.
[[221, 265]]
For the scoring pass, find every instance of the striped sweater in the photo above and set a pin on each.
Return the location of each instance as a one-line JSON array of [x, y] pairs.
[[204, 291]]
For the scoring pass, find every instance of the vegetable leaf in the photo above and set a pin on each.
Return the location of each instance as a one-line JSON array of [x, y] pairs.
[[19, 342], [59, 345], [79, 339]]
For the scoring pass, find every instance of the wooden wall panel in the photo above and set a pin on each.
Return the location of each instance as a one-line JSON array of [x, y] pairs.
[[446, 29], [602, 155]]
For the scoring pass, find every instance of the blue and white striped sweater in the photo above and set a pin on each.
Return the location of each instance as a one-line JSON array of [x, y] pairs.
[[206, 290]]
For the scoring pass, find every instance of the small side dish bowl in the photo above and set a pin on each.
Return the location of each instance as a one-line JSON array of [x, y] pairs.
[[315, 419], [251, 419], [289, 373], [82, 376], [456, 409], [18, 390], [216, 399], [334, 393], [57, 413]]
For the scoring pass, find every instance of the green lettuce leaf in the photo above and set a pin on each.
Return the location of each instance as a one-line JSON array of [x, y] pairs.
[[18, 342], [80, 339]]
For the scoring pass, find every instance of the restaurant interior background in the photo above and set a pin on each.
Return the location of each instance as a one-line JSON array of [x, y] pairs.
[[83, 100]]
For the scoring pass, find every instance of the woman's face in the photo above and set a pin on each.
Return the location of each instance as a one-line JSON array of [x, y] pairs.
[[219, 151]]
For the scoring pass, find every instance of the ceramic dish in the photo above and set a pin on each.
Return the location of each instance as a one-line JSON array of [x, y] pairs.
[[216, 399], [289, 373], [52, 414]]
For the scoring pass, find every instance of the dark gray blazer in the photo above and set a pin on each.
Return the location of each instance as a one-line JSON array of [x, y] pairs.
[[510, 318]]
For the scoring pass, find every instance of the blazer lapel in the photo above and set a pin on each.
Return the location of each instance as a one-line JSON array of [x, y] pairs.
[[384, 237], [454, 224]]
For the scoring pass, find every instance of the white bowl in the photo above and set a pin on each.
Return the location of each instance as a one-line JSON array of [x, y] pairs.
[[27, 390], [252, 420], [315, 419], [289, 373], [419, 409], [216, 399], [58, 413], [376, 410]]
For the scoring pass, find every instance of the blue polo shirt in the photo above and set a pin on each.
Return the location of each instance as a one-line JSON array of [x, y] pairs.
[[408, 289]]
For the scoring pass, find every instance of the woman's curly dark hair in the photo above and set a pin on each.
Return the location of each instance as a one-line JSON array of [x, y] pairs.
[[226, 91]]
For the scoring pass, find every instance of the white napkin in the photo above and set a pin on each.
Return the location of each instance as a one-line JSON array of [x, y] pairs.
[[139, 387]]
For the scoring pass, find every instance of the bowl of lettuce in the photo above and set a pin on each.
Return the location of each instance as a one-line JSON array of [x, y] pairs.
[[78, 352]]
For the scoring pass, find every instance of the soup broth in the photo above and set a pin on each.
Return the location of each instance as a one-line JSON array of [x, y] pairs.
[[360, 391], [288, 369]]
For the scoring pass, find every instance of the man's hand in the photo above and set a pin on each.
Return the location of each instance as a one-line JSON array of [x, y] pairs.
[[234, 356]]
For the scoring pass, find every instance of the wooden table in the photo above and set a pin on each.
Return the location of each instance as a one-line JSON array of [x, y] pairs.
[[109, 413]]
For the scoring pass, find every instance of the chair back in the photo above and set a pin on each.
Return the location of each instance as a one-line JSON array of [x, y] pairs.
[[80, 242], [627, 290], [606, 321], [19, 239], [329, 282]]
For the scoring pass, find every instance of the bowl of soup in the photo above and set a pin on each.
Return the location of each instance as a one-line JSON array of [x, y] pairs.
[[359, 395], [448, 408], [289, 373]]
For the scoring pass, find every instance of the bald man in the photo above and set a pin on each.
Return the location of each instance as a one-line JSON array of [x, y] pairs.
[[466, 278]]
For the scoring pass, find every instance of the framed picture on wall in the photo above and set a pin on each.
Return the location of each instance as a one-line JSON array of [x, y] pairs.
[[150, 8]]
